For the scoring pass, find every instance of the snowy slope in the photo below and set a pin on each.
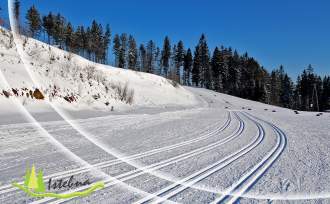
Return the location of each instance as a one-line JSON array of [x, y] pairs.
[[61, 75], [255, 152]]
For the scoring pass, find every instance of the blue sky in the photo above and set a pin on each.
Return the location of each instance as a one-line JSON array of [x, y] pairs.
[[294, 33]]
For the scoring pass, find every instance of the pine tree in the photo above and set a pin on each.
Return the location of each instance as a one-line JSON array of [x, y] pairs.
[[79, 40], [275, 88], [96, 34], [83, 42], [286, 97], [116, 49], [157, 68], [172, 68], [306, 88], [188, 62], [225, 55], [216, 66], [234, 74], [196, 67], [106, 42], [150, 57], [89, 43], [309, 91], [205, 63], [142, 58], [325, 95], [179, 58], [48, 24], [166, 54], [123, 51], [69, 37], [132, 53], [33, 21], [59, 30]]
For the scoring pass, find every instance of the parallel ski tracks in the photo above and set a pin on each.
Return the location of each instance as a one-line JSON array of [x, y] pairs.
[[234, 193], [156, 166], [188, 182], [230, 195], [207, 134]]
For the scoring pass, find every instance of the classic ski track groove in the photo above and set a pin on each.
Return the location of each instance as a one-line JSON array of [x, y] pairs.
[[188, 182], [148, 169], [8, 188], [234, 193]]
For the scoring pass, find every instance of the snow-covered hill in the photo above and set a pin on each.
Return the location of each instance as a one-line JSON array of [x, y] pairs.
[[253, 152], [74, 82]]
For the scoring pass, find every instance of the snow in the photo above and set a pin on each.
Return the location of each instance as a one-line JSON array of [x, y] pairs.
[[65, 74], [176, 142]]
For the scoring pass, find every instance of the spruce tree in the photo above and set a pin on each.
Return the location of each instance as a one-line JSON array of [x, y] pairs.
[[275, 88], [132, 53], [96, 34], [172, 68], [122, 51], [216, 66], [157, 64], [286, 88], [224, 69], [151, 48], [59, 30], [33, 21], [69, 38], [89, 43], [325, 95], [48, 24], [166, 54], [179, 58], [187, 67], [204, 63], [142, 58], [196, 67], [116, 49], [234, 74], [100, 51], [79, 40]]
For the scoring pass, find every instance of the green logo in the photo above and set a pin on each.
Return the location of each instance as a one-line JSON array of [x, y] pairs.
[[34, 186]]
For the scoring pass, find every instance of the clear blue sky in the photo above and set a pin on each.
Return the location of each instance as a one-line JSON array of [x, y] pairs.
[[294, 33]]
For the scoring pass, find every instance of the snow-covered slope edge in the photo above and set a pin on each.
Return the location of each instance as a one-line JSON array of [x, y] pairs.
[[74, 82]]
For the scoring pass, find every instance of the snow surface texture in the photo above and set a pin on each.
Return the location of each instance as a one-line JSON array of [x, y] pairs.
[[184, 145], [61, 75]]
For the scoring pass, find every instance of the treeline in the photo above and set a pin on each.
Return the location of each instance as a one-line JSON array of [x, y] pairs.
[[91, 42], [311, 91], [225, 70]]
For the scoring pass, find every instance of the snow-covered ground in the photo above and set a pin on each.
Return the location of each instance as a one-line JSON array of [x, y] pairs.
[[62, 76], [172, 144]]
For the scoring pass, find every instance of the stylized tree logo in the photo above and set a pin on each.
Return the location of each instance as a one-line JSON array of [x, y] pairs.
[[34, 186], [33, 182]]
